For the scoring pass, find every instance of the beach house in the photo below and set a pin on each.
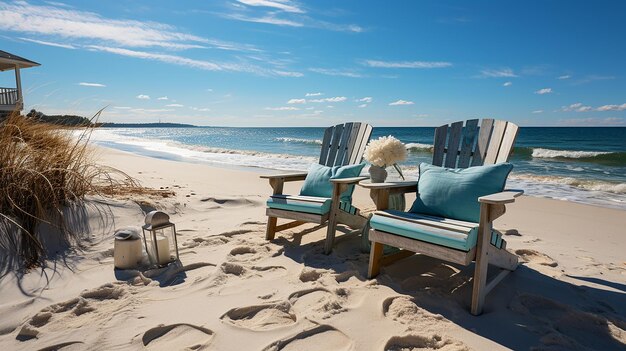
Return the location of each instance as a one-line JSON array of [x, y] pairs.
[[11, 99]]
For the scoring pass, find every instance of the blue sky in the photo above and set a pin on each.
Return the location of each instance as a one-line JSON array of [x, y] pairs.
[[316, 63]]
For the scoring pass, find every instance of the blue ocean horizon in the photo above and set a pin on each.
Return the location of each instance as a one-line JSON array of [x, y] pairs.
[[581, 164]]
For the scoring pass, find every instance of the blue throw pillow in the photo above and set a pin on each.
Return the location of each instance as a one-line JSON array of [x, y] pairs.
[[317, 182], [453, 193]]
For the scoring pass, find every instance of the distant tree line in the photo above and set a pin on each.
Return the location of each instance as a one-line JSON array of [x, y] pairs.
[[80, 121], [63, 120]]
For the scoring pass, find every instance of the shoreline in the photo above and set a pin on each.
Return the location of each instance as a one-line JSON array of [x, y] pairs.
[[519, 180]]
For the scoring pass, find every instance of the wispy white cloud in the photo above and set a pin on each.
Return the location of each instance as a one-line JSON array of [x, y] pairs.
[[537, 111], [621, 107], [151, 110], [285, 13], [332, 99], [367, 99], [297, 101], [567, 76], [122, 107], [498, 73], [283, 5], [362, 106], [336, 72], [200, 109], [163, 98], [95, 85], [143, 97], [406, 64], [507, 84], [73, 24], [49, 43], [282, 108], [64, 27], [288, 74], [269, 19], [579, 107], [183, 61], [313, 94], [401, 102], [174, 105], [544, 91]]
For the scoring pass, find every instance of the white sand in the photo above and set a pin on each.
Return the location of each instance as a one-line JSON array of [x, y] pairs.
[[236, 291]]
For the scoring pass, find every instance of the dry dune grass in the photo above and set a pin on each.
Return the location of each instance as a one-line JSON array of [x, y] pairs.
[[45, 169]]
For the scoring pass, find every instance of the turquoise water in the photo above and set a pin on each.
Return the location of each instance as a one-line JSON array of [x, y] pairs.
[[577, 164]]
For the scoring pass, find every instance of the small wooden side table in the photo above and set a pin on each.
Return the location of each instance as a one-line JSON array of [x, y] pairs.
[[386, 196]]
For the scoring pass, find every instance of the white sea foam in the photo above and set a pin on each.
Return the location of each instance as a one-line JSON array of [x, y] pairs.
[[549, 153], [586, 184], [299, 140], [418, 146], [247, 158]]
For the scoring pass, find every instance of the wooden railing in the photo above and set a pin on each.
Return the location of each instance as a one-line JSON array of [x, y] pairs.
[[8, 96]]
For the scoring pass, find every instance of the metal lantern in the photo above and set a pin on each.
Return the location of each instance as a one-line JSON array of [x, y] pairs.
[[160, 240]]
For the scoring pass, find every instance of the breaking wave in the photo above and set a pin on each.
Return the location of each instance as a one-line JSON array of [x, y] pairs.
[[584, 184], [419, 147], [601, 157], [299, 140]]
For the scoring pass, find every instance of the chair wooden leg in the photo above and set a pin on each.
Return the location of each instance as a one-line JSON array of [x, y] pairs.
[[330, 233], [376, 253], [482, 261], [270, 232], [480, 280]]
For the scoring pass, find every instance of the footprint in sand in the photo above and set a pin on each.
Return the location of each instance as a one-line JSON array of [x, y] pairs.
[[310, 275], [261, 317], [319, 301], [536, 257], [103, 300], [321, 337], [404, 310], [248, 253], [419, 342], [254, 271], [566, 327], [177, 337]]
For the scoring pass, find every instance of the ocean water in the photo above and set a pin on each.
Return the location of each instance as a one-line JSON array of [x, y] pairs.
[[585, 165]]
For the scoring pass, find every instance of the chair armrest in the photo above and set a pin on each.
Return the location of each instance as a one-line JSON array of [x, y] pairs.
[[348, 180], [505, 197], [287, 177]]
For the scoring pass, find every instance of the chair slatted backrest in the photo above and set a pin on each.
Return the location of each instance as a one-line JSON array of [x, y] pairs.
[[461, 146], [344, 144]]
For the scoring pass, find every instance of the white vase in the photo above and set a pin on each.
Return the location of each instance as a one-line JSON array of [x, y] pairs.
[[377, 174]]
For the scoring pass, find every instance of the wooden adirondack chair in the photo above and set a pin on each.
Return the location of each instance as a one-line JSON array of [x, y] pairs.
[[342, 145], [455, 146]]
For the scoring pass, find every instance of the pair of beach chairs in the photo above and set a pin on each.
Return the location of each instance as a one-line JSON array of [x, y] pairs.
[[459, 145]]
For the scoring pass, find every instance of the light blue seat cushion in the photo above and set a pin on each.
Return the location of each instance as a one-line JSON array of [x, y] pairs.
[[306, 204], [317, 182], [460, 235], [454, 192]]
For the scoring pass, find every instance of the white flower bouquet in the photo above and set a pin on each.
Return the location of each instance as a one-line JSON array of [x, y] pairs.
[[386, 151]]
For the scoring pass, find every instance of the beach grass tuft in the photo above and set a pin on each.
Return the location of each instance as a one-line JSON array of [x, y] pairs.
[[44, 170]]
